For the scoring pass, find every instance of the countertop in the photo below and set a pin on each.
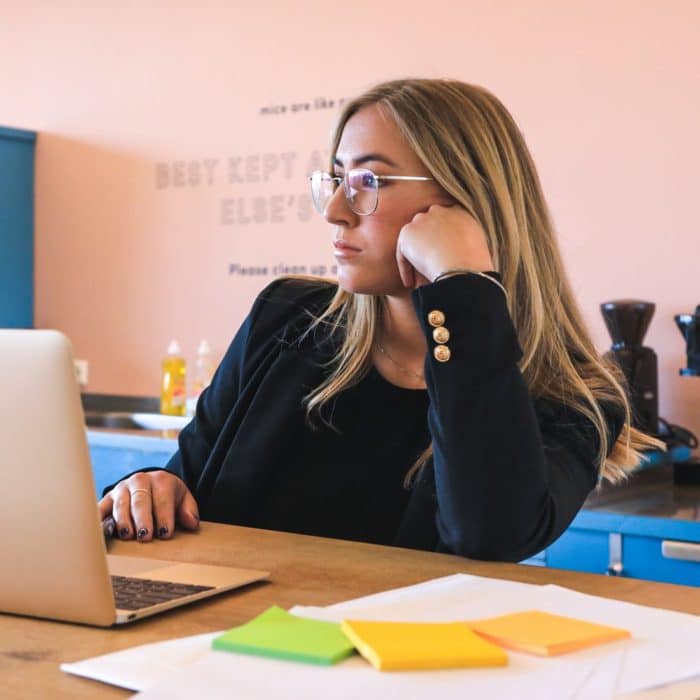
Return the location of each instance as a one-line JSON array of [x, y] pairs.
[[120, 437], [650, 492]]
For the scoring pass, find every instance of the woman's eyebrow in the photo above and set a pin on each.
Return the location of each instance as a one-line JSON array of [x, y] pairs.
[[366, 158]]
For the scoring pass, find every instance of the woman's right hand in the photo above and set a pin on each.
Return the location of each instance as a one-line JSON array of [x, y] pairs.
[[149, 504]]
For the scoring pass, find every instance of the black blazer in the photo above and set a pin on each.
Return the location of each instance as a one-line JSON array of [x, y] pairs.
[[508, 473]]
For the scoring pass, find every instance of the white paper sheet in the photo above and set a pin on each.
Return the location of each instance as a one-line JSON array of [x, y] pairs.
[[664, 649], [222, 676], [440, 600], [665, 645], [141, 667]]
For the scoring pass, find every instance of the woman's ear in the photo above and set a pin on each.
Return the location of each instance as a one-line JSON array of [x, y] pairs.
[[446, 200]]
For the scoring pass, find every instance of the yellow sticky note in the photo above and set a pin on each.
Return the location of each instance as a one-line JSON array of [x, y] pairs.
[[544, 633], [392, 646]]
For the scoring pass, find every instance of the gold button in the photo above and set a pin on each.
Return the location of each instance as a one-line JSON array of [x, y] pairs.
[[436, 318], [441, 334], [442, 353]]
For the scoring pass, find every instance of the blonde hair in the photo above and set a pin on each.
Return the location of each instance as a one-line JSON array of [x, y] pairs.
[[472, 147]]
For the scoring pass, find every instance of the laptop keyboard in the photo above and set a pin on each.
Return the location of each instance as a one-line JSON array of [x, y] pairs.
[[136, 593]]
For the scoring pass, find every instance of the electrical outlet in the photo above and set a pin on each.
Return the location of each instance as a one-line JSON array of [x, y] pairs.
[[81, 372]]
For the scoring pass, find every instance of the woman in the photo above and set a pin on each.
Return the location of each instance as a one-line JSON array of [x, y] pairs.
[[444, 394]]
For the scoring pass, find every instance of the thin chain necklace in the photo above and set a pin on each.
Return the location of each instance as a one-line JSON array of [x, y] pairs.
[[419, 376]]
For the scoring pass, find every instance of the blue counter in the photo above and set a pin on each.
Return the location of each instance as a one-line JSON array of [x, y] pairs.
[[115, 454]]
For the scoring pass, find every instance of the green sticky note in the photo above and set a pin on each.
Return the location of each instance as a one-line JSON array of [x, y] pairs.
[[279, 635]]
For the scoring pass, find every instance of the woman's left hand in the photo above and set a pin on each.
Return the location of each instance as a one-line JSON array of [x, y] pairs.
[[441, 239]]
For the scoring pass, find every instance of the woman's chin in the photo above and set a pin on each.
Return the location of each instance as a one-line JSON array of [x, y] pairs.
[[362, 284]]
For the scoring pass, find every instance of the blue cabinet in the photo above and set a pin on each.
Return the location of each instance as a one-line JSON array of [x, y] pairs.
[[675, 561], [115, 454], [17, 228], [635, 546], [660, 549], [580, 550]]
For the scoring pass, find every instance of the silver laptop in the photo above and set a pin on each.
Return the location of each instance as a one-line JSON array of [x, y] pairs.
[[52, 547]]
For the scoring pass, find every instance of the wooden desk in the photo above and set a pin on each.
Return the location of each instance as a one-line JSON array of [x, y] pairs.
[[304, 571]]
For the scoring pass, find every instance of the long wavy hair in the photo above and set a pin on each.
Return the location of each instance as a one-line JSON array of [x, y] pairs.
[[472, 147]]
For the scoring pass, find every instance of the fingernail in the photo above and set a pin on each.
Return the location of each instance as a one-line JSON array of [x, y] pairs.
[[142, 533], [162, 531], [124, 532]]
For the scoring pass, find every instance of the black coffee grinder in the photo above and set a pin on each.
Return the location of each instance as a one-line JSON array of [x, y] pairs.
[[689, 326], [627, 321]]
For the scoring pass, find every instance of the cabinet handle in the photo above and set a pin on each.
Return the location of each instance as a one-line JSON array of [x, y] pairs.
[[615, 565], [688, 551]]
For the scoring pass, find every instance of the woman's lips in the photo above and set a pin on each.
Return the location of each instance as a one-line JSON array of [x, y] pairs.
[[344, 250]]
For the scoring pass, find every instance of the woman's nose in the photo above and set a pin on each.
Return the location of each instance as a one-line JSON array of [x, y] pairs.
[[337, 211]]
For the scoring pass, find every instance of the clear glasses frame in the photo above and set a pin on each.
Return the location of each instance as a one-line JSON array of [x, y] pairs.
[[360, 185]]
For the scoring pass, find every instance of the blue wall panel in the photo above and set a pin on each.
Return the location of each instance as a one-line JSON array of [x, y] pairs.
[[16, 228]]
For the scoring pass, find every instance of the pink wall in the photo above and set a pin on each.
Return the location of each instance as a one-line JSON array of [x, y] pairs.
[[127, 258]]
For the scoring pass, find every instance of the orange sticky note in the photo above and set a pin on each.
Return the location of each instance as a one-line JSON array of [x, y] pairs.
[[545, 634], [393, 646]]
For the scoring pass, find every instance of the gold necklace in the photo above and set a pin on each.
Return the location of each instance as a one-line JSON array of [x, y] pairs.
[[420, 377]]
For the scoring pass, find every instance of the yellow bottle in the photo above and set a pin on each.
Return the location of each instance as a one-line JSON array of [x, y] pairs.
[[172, 391]]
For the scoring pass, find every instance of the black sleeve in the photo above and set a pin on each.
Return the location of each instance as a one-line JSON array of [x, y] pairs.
[[282, 309], [509, 476]]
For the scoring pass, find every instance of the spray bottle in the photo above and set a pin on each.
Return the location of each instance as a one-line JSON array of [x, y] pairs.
[[172, 393], [203, 371]]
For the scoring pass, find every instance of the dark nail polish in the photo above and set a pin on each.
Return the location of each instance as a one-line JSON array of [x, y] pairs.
[[162, 531], [108, 527], [124, 532], [142, 533]]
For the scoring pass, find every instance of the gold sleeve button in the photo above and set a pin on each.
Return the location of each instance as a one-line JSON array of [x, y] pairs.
[[436, 318], [442, 353], [441, 334]]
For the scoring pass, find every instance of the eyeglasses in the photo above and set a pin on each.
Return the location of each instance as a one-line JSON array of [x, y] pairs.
[[361, 188]]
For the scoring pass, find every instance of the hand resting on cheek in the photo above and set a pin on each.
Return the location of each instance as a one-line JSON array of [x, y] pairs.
[[440, 239]]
